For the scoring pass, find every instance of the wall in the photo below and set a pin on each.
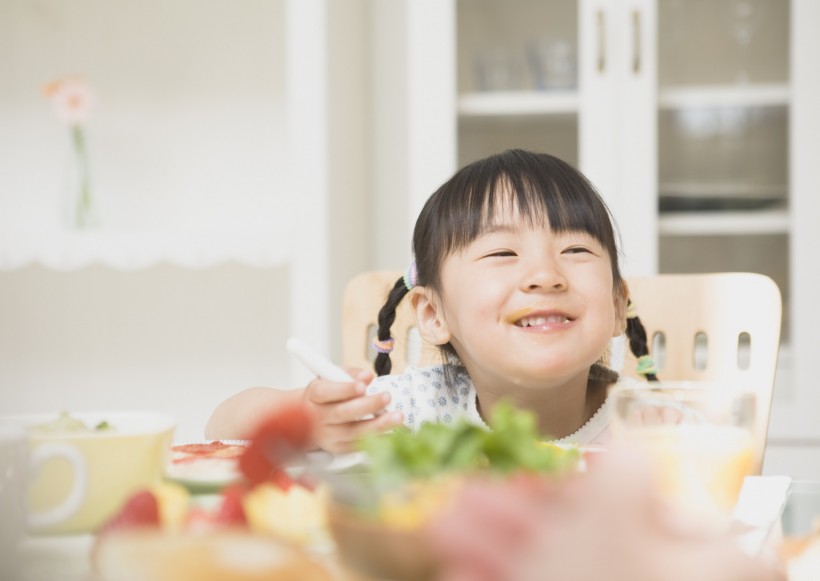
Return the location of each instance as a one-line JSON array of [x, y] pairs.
[[189, 156], [162, 338], [229, 154], [189, 130]]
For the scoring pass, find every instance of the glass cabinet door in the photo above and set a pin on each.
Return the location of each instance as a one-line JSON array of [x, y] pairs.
[[723, 155], [517, 77]]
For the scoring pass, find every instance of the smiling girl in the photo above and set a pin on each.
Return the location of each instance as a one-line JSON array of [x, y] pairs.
[[516, 279]]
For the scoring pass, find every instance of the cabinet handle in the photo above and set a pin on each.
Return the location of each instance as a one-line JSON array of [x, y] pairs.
[[601, 41], [636, 42]]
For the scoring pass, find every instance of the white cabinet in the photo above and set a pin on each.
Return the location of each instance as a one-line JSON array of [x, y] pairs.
[[697, 121]]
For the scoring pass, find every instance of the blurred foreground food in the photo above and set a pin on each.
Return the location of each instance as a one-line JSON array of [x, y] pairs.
[[236, 555], [413, 476], [404, 464], [274, 522]]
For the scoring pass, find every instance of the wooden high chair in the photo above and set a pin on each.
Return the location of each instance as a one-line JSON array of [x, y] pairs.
[[722, 327]]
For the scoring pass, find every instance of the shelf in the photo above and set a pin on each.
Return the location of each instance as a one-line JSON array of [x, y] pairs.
[[512, 103], [515, 103], [723, 189], [724, 223], [690, 97], [136, 250]]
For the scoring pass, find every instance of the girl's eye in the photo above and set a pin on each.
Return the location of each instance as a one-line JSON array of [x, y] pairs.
[[577, 250], [501, 253]]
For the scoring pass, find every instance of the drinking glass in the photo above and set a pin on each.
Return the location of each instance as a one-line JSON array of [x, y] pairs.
[[699, 438], [744, 20]]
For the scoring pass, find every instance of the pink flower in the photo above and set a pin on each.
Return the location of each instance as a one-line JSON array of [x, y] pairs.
[[72, 99]]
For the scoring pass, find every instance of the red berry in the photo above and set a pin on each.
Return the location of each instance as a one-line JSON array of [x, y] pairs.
[[283, 436], [230, 511], [141, 509]]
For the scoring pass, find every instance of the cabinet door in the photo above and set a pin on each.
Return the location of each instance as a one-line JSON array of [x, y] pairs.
[[617, 127], [517, 71], [723, 155]]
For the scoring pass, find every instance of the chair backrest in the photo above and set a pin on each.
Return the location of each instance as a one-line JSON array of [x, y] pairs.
[[363, 297], [722, 327]]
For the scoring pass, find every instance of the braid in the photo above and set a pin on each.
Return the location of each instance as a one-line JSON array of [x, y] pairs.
[[387, 315], [638, 344]]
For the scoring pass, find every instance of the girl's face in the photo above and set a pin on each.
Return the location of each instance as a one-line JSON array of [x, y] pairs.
[[525, 307]]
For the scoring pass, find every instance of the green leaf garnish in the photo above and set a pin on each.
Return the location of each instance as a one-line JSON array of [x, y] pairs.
[[512, 444]]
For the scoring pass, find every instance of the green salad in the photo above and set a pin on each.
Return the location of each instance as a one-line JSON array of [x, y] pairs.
[[512, 444]]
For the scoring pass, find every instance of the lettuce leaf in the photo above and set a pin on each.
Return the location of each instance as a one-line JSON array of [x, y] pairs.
[[512, 444]]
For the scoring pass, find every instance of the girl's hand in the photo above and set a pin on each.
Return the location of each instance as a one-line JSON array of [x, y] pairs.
[[344, 413]]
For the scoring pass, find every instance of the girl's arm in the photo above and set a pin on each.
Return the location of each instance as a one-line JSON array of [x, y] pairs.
[[236, 417], [338, 407]]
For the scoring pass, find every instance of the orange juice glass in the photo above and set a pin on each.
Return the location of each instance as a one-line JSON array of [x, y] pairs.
[[699, 438]]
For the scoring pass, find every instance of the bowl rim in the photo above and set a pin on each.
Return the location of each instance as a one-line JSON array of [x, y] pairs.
[[157, 423]]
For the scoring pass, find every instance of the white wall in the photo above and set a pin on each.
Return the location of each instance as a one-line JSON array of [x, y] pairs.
[[188, 151], [162, 338], [190, 128], [239, 191]]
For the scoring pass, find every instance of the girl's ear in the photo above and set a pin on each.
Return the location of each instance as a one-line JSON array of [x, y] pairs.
[[429, 315], [621, 298]]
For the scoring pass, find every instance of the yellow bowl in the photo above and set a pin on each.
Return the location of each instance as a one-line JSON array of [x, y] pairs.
[[80, 478]]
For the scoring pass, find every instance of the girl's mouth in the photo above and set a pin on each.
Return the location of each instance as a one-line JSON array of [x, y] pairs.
[[541, 320], [533, 317]]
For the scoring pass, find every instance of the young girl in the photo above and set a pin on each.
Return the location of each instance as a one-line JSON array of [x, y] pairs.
[[516, 278]]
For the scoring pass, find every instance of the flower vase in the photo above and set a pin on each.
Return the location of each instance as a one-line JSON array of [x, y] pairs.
[[80, 207]]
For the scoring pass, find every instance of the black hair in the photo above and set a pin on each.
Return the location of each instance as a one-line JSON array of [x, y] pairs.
[[638, 344], [544, 190]]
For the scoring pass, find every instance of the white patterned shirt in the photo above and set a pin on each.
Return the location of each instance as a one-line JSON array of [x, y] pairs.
[[423, 395]]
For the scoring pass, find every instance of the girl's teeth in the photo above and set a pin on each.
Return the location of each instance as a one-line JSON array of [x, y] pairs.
[[538, 321]]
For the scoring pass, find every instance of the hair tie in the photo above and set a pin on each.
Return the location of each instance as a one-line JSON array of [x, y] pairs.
[[631, 313], [646, 366], [411, 276], [383, 346]]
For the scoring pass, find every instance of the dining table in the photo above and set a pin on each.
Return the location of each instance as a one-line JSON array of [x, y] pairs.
[[794, 504]]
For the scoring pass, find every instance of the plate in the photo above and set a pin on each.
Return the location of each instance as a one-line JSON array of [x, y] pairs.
[[329, 462], [205, 466]]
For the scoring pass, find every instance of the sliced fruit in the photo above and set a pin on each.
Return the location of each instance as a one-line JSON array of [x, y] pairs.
[[173, 500], [297, 514]]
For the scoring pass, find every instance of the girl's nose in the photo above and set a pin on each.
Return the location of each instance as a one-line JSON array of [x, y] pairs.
[[543, 276]]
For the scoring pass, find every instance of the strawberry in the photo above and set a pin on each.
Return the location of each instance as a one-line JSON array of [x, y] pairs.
[[284, 435], [231, 511], [140, 510], [281, 479]]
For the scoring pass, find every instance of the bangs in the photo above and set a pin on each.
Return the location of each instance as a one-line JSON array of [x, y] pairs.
[[542, 195]]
